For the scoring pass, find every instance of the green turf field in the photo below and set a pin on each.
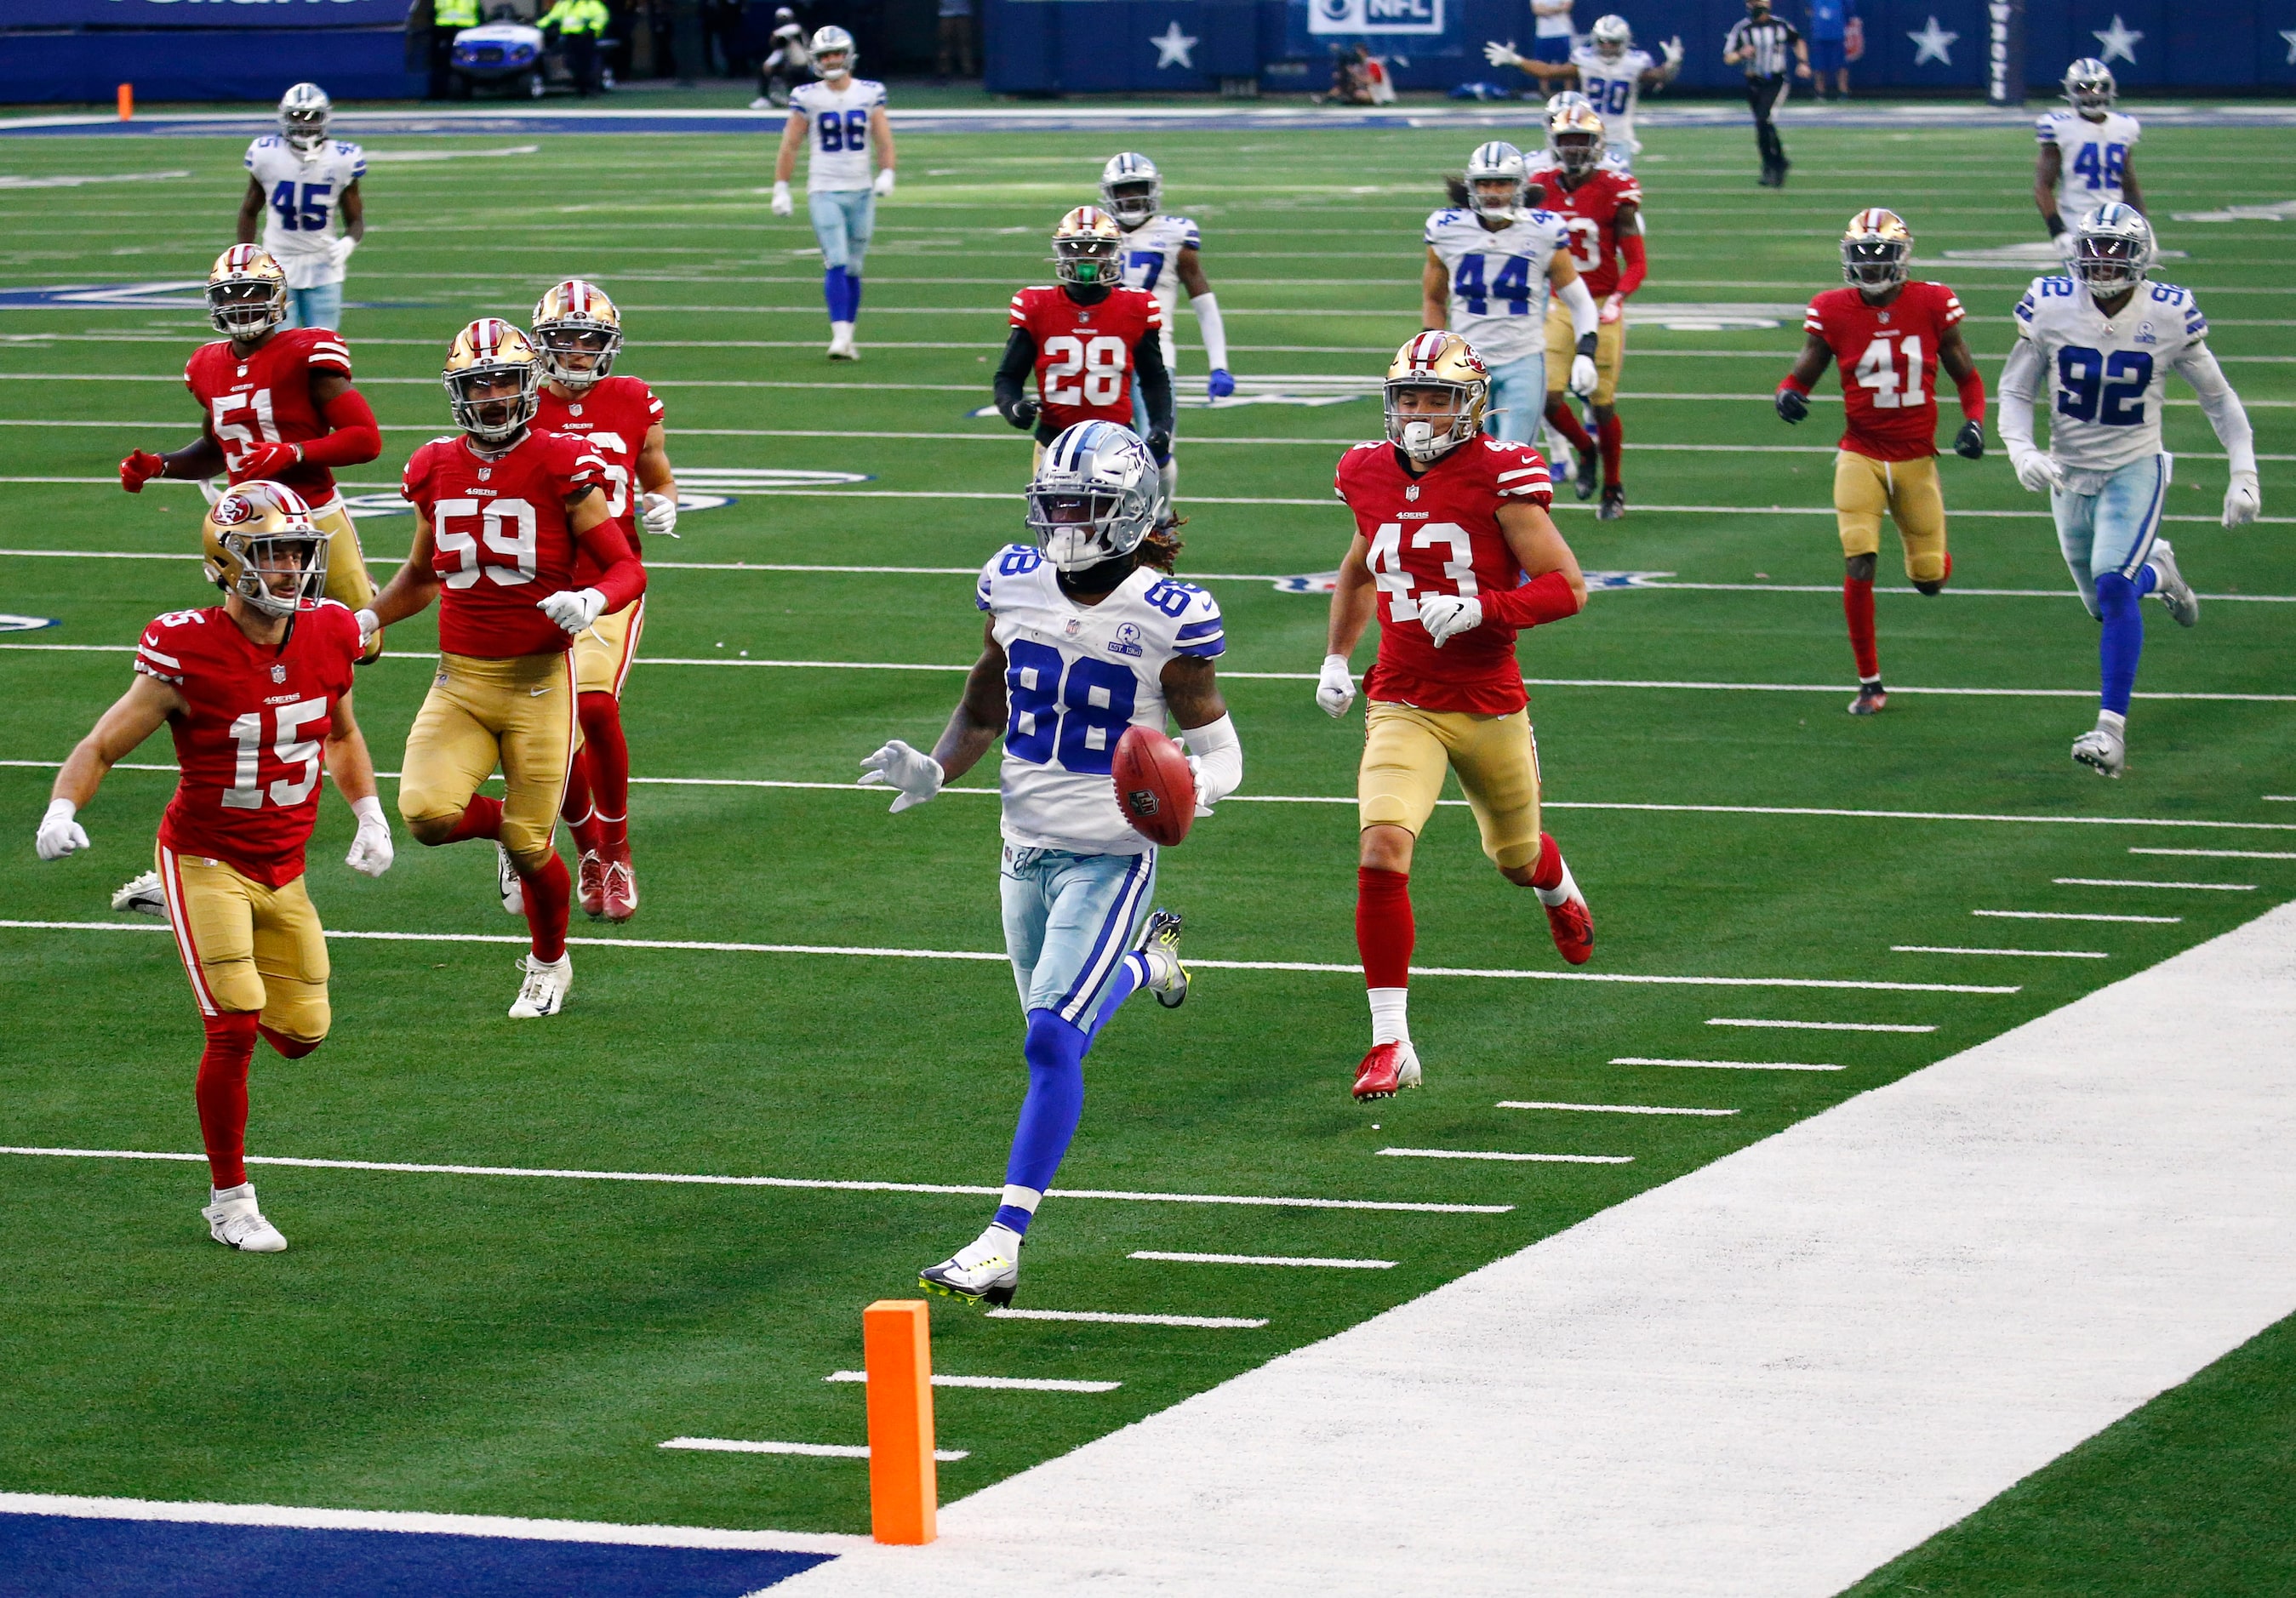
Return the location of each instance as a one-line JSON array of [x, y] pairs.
[[521, 1344]]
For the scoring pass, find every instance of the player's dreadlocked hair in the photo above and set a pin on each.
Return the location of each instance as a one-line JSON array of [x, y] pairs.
[[1454, 186], [1161, 547]]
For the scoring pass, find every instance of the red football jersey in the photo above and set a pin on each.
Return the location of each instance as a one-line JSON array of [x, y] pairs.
[[1591, 210], [612, 419], [1083, 352], [1889, 357], [1439, 533], [267, 399], [501, 541], [249, 748]]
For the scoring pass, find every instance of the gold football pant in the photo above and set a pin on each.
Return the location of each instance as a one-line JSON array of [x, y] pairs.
[[348, 582], [603, 651], [1864, 487], [1609, 353], [1407, 751], [517, 712], [246, 948]]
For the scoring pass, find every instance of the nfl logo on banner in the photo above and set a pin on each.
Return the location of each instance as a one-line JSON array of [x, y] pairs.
[[1375, 16]]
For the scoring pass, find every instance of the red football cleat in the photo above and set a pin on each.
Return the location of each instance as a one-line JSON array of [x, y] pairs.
[[621, 884], [1387, 1070], [590, 884], [1573, 926]]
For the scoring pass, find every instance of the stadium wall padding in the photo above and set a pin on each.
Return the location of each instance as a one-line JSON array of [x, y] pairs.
[[354, 63]]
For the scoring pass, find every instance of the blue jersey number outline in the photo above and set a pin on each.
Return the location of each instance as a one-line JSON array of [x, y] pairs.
[[1058, 703]]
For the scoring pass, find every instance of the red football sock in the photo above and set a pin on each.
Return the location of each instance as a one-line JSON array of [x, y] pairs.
[[1548, 873], [290, 1048], [221, 1094], [1858, 609], [548, 891], [1384, 929], [1614, 440], [1559, 416], [481, 818], [609, 754], [577, 809]]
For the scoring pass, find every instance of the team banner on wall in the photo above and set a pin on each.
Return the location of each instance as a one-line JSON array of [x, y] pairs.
[[202, 13], [1376, 17]]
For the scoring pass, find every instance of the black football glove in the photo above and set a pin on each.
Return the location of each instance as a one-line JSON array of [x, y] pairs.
[[1021, 413], [1792, 406], [1159, 445], [1969, 443]]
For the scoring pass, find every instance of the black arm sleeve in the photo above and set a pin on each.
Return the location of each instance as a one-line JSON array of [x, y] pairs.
[[1013, 370], [1148, 369]]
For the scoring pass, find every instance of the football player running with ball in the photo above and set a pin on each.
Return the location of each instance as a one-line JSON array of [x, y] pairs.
[[1093, 344], [1161, 255], [256, 692], [2101, 343], [578, 333], [1453, 546], [1087, 636], [502, 510], [847, 118], [1890, 335]]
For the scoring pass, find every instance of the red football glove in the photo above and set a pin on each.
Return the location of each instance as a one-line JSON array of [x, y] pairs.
[[267, 461], [139, 468]]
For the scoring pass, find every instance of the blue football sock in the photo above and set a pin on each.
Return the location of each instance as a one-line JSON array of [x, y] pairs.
[[2148, 578], [1055, 1051], [1130, 976], [2122, 642], [852, 296], [832, 290]]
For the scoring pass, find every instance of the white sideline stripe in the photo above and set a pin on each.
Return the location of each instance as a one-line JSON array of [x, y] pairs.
[[726, 1445], [1728, 1065], [407, 1169], [1284, 1259], [2163, 921], [1024, 1384], [2139, 882], [2222, 854], [1821, 1026], [1217, 1323], [705, 947], [1497, 1154], [1613, 1109], [1928, 948]]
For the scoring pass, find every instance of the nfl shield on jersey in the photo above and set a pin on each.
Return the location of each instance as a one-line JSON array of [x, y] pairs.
[[2095, 155], [2105, 374], [1075, 677], [1151, 263], [1888, 357], [300, 198], [1613, 87], [266, 399], [1498, 280], [501, 538], [837, 121]]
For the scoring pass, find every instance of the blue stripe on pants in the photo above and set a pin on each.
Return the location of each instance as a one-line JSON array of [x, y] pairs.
[[1069, 922]]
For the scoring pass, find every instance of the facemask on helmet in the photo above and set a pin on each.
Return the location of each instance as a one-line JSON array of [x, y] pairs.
[[576, 333], [494, 381], [1495, 180], [1436, 390], [303, 119], [261, 545], [1131, 189], [246, 293], [1094, 497], [1087, 249], [2089, 85], [2113, 251], [1877, 250]]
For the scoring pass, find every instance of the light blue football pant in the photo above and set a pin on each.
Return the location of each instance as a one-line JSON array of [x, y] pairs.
[[1518, 399], [1069, 922], [2112, 531], [320, 307], [843, 220]]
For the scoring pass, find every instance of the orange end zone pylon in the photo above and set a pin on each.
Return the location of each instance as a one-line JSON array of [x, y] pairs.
[[127, 102], [896, 1351]]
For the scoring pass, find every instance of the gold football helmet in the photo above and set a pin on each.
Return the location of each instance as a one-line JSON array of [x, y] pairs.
[[1438, 361], [257, 534], [484, 357], [1877, 250], [577, 332], [247, 293], [1087, 249], [1575, 136]]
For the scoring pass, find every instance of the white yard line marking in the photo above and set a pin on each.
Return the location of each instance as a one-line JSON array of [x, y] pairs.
[[1729, 1065], [409, 1168], [1617, 1109], [1282, 1259], [1820, 1026], [2137, 882], [726, 1445], [1497, 1154], [1217, 1323], [2164, 921], [2223, 854], [1925, 948], [1024, 1384]]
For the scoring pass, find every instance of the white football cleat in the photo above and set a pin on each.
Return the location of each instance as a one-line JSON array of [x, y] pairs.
[[2102, 749], [543, 992], [840, 342], [986, 1269], [513, 890], [1160, 946], [143, 895], [235, 1221], [2173, 591]]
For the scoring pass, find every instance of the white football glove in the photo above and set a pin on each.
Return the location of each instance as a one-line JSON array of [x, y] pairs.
[[1335, 690], [1583, 375], [1672, 51], [884, 184], [1446, 616], [574, 609], [657, 514], [370, 850], [60, 834], [784, 205], [1501, 55], [2242, 499], [340, 249], [369, 625], [2036, 471], [917, 775]]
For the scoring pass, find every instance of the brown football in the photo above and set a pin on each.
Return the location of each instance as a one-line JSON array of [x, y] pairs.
[[1154, 787]]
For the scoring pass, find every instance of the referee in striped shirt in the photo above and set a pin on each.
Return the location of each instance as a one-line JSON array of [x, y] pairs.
[[1760, 43]]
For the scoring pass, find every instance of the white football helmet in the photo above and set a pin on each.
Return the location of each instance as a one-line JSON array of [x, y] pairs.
[[2112, 249], [1495, 166], [303, 119], [832, 40], [2089, 85], [1611, 37], [1568, 97], [1131, 189], [1094, 497]]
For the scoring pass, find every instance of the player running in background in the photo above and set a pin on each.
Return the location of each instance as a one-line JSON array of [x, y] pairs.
[[2087, 154], [1602, 205], [1490, 262], [257, 691], [2101, 343], [305, 180], [847, 118], [1160, 256], [1611, 72], [1889, 334], [1093, 344], [499, 511], [1453, 546], [1086, 638], [578, 332]]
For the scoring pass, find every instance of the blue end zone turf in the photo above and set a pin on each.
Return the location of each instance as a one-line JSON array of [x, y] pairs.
[[65, 1556]]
